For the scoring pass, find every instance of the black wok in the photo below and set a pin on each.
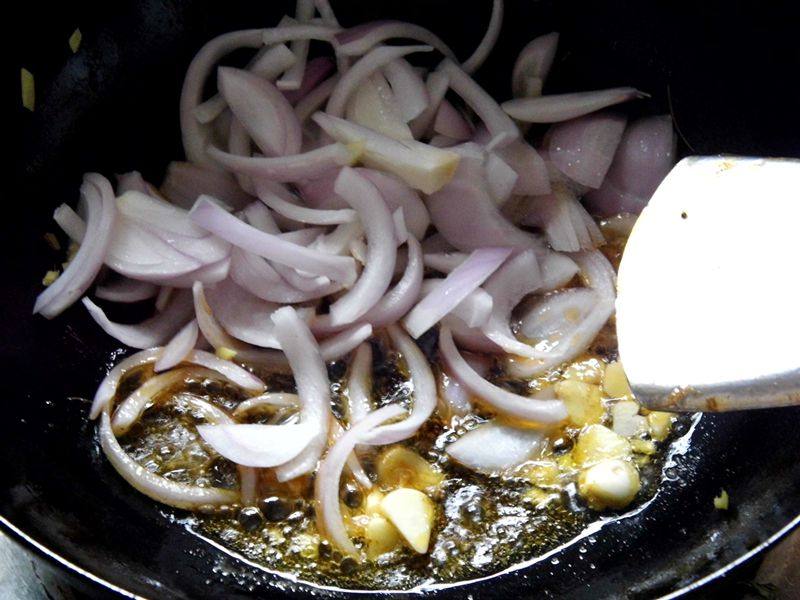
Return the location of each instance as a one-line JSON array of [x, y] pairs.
[[728, 67]]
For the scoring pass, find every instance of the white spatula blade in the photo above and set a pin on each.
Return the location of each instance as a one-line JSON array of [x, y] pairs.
[[708, 306]]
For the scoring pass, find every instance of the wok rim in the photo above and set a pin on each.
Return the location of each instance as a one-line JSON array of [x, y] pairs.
[[64, 564]]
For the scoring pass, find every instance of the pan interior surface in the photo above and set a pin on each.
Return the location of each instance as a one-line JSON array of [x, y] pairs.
[[112, 107]]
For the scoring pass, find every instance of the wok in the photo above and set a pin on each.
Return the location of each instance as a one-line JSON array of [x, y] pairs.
[[723, 67]]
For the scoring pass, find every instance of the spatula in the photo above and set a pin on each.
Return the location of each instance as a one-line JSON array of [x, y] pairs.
[[708, 306]]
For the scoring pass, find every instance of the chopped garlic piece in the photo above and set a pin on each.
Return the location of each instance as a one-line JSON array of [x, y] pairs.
[[75, 40], [543, 473], [640, 446], [660, 424], [597, 443], [373, 502], [381, 536], [400, 467], [225, 353], [615, 383], [583, 401], [411, 512], [610, 483], [626, 419], [28, 89], [587, 371], [722, 502], [50, 278]]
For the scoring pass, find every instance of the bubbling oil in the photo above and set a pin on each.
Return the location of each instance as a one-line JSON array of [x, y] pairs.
[[482, 525]]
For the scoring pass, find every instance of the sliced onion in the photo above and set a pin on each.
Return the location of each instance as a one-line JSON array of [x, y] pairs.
[[301, 213], [584, 148], [568, 226], [497, 122], [493, 448], [157, 214], [519, 277], [211, 217], [268, 400], [467, 217], [359, 385], [244, 316], [138, 253], [575, 338], [451, 123], [481, 53], [471, 338], [158, 488], [421, 166], [185, 182], [263, 111], [292, 167], [133, 181], [256, 445], [532, 179], [381, 249], [373, 105], [399, 300], [408, 87], [504, 402], [436, 243], [326, 482], [563, 107], [424, 385], [317, 70], [644, 157], [341, 344], [130, 410], [268, 63], [207, 274], [255, 275], [126, 291], [456, 399], [151, 332], [292, 79], [436, 85], [178, 348], [313, 388], [464, 279], [500, 178], [534, 61], [444, 262], [551, 317], [475, 309], [260, 217], [108, 387], [315, 99], [84, 267], [557, 270], [326, 12], [195, 135], [360, 39], [361, 70], [227, 369], [293, 31]]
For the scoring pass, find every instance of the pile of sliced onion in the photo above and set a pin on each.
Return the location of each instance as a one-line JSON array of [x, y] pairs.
[[315, 193]]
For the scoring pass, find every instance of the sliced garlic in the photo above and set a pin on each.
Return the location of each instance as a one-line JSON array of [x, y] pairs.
[[583, 401], [611, 483], [615, 383], [597, 443], [411, 512]]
